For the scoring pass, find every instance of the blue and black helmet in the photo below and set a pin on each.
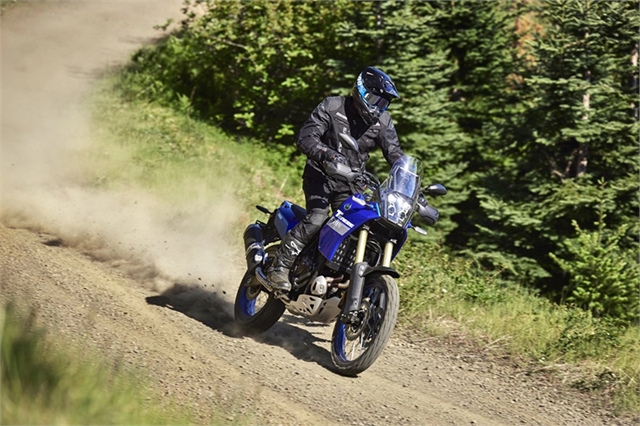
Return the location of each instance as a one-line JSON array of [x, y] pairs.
[[372, 93]]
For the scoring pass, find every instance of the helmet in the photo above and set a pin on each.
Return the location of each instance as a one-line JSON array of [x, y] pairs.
[[372, 93]]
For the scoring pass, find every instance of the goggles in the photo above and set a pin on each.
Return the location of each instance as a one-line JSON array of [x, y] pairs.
[[378, 101]]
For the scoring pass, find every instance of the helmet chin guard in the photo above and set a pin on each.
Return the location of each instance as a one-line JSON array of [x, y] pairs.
[[372, 92]]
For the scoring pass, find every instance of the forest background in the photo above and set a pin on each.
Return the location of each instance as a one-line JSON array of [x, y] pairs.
[[527, 111]]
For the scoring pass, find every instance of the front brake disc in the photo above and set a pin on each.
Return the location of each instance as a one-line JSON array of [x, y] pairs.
[[353, 330]]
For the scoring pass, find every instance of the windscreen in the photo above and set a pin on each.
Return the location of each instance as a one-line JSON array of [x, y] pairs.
[[398, 194], [405, 176]]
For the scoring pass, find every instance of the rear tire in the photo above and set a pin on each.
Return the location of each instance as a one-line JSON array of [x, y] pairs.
[[255, 309], [355, 348]]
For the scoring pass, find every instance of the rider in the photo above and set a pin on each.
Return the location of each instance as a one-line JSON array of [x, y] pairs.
[[362, 115]]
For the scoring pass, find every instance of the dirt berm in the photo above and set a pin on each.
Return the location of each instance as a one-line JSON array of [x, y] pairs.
[[99, 270]]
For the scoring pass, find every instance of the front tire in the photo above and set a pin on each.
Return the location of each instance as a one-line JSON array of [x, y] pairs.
[[256, 310], [354, 348]]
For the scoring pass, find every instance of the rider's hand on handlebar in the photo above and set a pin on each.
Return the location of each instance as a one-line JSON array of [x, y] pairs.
[[338, 158]]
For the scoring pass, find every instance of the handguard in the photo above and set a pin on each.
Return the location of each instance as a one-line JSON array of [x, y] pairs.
[[428, 213], [340, 171]]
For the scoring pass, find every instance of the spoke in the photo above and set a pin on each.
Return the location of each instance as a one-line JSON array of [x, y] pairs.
[[375, 326], [353, 349], [362, 342], [375, 296]]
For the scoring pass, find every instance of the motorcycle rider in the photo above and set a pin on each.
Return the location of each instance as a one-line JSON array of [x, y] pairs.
[[363, 115]]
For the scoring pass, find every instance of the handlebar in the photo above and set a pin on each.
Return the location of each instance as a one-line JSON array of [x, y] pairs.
[[358, 180], [361, 180]]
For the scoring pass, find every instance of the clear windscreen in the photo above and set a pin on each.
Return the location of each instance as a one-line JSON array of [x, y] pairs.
[[405, 176], [398, 194]]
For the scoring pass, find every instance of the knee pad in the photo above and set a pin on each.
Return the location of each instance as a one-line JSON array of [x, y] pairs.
[[310, 225], [316, 217]]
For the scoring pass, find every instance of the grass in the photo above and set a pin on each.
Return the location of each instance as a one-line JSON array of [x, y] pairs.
[[42, 383], [5, 4], [179, 158], [448, 295]]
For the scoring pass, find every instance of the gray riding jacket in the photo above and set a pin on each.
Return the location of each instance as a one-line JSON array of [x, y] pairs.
[[319, 137]]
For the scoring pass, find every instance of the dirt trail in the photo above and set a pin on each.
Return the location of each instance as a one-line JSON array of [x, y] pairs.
[[182, 335]]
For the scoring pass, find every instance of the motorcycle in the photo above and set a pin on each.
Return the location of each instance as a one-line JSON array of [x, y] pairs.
[[343, 274]]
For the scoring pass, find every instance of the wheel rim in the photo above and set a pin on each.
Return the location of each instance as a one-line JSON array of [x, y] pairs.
[[352, 341], [252, 300]]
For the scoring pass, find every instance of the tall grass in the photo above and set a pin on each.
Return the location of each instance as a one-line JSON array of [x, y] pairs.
[[178, 157], [42, 383], [440, 293]]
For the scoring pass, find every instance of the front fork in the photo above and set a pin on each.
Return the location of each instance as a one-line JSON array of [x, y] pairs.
[[362, 245], [358, 273]]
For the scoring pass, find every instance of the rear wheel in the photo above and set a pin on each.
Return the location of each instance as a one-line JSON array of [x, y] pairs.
[[256, 310], [355, 347]]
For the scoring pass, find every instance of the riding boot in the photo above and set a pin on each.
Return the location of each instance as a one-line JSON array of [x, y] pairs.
[[278, 272]]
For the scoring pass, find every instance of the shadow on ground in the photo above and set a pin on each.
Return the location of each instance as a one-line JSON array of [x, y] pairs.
[[290, 333]]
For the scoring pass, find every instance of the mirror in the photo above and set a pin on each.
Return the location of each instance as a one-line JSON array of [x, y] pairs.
[[349, 142], [436, 189]]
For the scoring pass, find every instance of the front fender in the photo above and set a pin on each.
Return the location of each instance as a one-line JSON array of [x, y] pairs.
[[358, 274], [381, 270]]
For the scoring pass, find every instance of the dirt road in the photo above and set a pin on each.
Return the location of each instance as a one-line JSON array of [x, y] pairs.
[[72, 252]]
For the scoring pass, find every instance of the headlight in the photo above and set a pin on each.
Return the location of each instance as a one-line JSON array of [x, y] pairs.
[[397, 209]]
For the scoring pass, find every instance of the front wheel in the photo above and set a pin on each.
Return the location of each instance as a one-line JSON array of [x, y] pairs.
[[355, 347], [255, 309]]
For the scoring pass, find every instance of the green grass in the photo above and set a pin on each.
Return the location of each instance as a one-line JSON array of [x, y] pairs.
[[45, 383], [442, 294], [179, 158]]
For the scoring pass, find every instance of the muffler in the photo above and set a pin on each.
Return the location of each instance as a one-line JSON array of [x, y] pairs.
[[254, 249]]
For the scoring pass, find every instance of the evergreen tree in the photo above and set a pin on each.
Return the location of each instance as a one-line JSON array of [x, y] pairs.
[[425, 116], [400, 38], [525, 151], [482, 42], [573, 156], [254, 67]]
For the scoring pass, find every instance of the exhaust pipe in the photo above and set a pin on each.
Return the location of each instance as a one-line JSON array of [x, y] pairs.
[[254, 249]]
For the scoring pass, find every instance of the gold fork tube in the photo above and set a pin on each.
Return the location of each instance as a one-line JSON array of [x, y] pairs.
[[388, 252], [362, 245]]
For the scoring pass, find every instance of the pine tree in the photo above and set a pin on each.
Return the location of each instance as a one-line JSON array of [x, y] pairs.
[[482, 42], [574, 150], [400, 38]]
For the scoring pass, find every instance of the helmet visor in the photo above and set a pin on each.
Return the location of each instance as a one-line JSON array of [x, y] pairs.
[[378, 101]]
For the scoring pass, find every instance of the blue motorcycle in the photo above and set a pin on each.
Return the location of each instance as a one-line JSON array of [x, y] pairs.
[[344, 274]]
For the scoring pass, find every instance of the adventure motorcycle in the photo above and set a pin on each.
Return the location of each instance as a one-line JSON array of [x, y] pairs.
[[344, 272]]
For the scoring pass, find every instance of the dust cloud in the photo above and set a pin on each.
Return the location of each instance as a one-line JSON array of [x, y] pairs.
[[46, 83], [147, 239]]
